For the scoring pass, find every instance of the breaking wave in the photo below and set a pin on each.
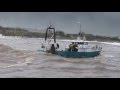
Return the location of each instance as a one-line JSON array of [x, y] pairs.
[[10, 57], [111, 43]]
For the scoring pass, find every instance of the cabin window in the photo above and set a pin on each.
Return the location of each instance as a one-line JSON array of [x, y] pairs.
[[80, 42], [86, 43]]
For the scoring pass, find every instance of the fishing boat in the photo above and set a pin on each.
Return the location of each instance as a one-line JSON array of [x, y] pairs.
[[84, 50], [78, 48]]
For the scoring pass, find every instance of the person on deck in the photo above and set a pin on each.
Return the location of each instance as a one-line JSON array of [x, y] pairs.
[[71, 47], [52, 50], [75, 47]]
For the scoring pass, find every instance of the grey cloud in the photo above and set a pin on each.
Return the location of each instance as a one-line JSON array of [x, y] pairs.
[[101, 23]]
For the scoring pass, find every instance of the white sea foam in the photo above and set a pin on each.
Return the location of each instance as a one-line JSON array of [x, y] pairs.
[[111, 43], [26, 62], [107, 55]]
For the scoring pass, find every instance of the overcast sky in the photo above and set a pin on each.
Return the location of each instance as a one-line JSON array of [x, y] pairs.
[[99, 23]]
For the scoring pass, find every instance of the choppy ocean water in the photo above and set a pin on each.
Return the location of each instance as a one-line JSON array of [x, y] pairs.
[[19, 58]]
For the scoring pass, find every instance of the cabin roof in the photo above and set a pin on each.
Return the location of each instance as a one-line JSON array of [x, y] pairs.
[[78, 41]]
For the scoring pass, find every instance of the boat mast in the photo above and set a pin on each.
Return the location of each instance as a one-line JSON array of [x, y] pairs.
[[80, 33], [80, 30]]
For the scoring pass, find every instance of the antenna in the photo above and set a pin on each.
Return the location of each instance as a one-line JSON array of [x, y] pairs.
[[50, 24], [35, 27], [80, 28]]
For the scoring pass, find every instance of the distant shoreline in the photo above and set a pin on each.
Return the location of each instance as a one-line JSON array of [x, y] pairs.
[[19, 32]]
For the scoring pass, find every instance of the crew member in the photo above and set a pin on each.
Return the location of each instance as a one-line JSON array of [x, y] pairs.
[[52, 50]]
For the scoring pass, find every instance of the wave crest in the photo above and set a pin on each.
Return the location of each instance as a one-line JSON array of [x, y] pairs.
[[10, 57]]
